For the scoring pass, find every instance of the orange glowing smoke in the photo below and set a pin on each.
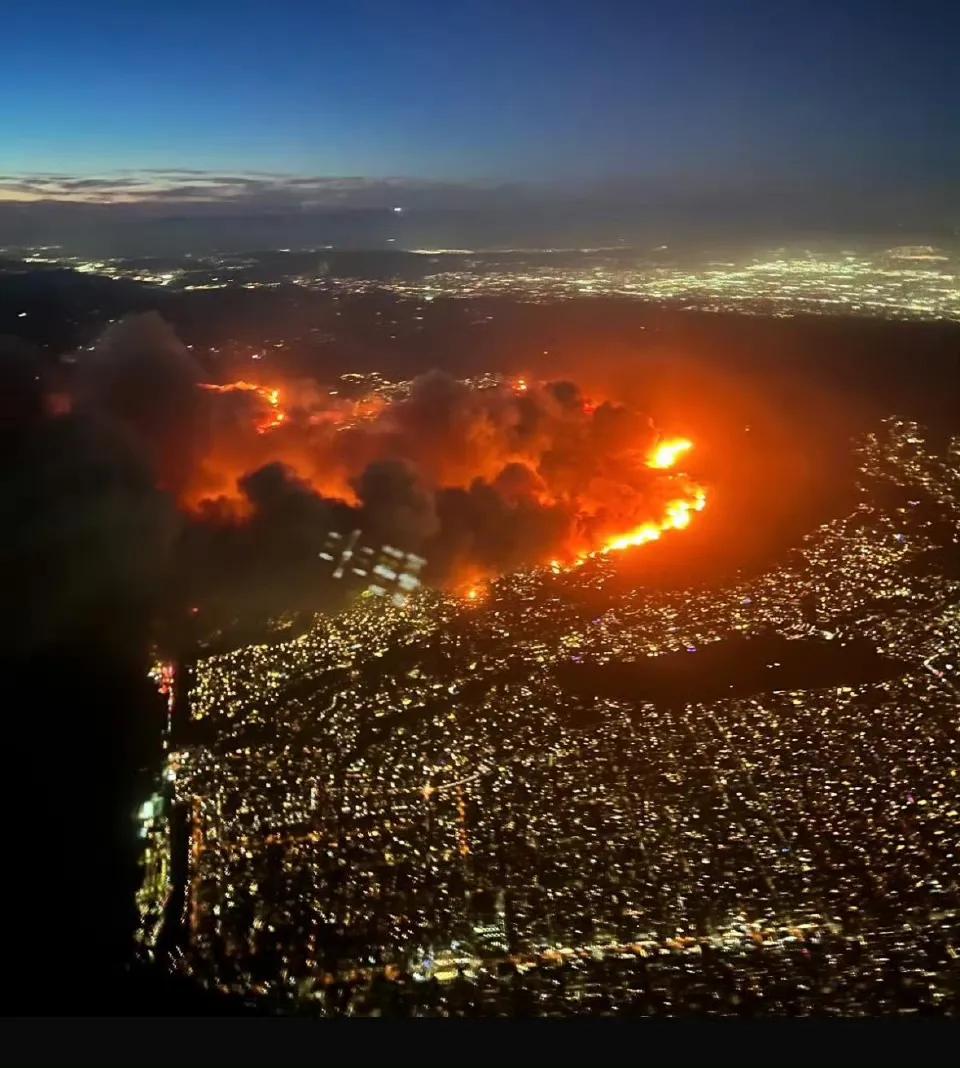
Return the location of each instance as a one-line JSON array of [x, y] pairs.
[[267, 431], [678, 512], [596, 463], [270, 394], [677, 515]]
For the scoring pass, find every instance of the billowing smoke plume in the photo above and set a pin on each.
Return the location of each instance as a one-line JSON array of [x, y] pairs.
[[140, 377], [477, 480], [396, 505], [88, 536]]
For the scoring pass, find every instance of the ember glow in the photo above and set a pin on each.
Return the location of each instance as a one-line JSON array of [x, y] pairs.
[[274, 416]]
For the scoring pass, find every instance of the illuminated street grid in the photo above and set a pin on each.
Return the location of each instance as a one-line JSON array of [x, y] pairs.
[[914, 282], [404, 810], [846, 284]]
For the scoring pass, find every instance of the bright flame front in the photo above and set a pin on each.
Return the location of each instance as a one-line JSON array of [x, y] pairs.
[[666, 452], [678, 512]]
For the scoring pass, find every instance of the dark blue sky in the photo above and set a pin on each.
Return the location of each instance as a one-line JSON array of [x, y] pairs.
[[702, 94]]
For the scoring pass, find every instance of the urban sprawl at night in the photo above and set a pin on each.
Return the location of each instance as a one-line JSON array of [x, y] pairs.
[[535, 800], [910, 281], [481, 532]]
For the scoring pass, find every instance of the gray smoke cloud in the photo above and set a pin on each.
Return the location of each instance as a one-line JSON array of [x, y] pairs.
[[140, 376], [478, 481]]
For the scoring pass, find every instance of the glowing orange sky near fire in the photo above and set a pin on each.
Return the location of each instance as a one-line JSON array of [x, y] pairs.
[[664, 455], [677, 515], [678, 512]]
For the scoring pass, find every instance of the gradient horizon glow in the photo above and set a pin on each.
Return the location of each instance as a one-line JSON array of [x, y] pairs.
[[704, 95]]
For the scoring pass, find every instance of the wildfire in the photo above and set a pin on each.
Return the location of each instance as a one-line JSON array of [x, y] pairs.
[[625, 482], [471, 587], [274, 418], [666, 452], [678, 512], [677, 516]]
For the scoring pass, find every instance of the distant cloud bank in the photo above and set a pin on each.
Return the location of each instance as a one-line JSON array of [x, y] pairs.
[[244, 191]]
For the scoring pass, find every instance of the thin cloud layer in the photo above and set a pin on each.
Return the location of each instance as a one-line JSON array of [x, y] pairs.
[[248, 190]]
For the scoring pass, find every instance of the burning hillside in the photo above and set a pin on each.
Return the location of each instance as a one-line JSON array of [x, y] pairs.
[[478, 476], [500, 476]]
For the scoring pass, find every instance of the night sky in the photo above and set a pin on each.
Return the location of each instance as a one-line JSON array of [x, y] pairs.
[[701, 96]]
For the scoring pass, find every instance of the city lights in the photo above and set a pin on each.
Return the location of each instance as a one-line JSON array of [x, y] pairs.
[[379, 771]]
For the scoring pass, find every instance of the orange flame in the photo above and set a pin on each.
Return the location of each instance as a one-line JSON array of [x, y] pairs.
[[677, 516], [678, 512], [268, 393], [222, 467], [666, 452]]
